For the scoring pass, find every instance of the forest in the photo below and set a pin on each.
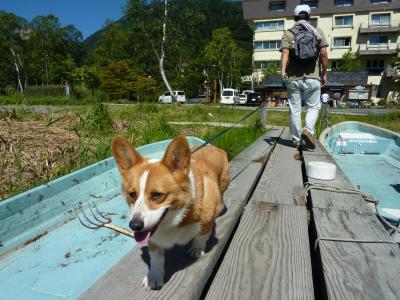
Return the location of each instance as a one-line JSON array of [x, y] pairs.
[[207, 42]]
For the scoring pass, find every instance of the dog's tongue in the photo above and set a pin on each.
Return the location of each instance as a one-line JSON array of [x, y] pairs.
[[142, 237]]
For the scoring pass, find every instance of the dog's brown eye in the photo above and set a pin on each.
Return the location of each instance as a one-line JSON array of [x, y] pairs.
[[156, 196], [132, 195]]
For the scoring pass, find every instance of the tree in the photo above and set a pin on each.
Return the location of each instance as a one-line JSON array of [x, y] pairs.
[[222, 57], [136, 9], [271, 70], [50, 45], [12, 35], [90, 77], [112, 45], [350, 61], [144, 86], [117, 80]]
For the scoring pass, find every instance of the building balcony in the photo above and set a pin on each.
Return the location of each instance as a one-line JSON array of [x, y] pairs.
[[379, 49], [379, 28]]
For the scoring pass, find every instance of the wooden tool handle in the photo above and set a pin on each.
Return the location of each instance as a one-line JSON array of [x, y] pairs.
[[120, 230]]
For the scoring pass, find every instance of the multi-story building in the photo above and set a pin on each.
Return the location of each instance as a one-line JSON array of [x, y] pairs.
[[371, 27]]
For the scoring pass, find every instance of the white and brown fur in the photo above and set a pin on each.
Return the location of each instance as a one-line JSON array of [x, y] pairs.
[[183, 190]]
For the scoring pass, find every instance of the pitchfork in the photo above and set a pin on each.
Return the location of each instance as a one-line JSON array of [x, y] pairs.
[[99, 221]]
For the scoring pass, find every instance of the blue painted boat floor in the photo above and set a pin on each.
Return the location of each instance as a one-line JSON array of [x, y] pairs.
[[381, 179], [378, 173], [68, 260]]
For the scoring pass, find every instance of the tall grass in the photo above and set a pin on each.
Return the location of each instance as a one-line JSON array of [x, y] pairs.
[[91, 130]]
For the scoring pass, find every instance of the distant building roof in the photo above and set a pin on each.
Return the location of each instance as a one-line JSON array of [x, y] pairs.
[[335, 79]]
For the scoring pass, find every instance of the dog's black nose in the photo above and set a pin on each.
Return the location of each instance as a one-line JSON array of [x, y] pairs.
[[136, 224]]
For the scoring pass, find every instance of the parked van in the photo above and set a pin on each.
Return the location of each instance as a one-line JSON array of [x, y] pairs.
[[166, 97], [230, 96]]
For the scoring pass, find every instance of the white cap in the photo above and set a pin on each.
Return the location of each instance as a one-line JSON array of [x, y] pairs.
[[300, 8]]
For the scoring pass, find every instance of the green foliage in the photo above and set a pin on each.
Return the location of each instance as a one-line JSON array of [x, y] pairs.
[[144, 88], [51, 54], [222, 57], [97, 120], [271, 70], [111, 46], [396, 70], [350, 61], [191, 82], [117, 80], [90, 77]]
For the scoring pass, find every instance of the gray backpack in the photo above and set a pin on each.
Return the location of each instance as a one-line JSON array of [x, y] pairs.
[[305, 44]]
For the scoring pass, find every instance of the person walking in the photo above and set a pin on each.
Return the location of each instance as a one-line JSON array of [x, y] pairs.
[[303, 50], [324, 112], [336, 99]]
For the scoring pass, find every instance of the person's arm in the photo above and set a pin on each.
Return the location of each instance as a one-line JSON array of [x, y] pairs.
[[284, 60], [323, 57]]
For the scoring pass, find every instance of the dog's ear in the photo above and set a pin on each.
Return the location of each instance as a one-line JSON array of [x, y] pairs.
[[125, 155], [177, 155]]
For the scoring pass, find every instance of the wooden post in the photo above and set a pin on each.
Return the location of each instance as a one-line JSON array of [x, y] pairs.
[[263, 114]]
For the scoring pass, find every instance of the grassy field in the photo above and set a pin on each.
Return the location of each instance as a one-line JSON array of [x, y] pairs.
[[38, 147]]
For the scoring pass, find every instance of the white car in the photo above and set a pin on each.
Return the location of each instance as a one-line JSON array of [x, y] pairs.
[[166, 97], [230, 96], [242, 99]]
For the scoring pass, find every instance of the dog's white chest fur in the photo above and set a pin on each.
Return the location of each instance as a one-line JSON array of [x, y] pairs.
[[169, 233]]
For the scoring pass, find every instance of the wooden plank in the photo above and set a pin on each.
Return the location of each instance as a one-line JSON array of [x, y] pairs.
[[361, 271], [269, 256], [334, 223], [258, 148], [282, 180], [352, 270], [185, 278]]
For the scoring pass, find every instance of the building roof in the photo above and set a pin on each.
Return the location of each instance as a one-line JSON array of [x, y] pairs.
[[335, 79], [260, 9]]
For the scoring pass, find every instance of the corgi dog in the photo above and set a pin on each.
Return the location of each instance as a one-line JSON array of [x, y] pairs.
[[173, 200]]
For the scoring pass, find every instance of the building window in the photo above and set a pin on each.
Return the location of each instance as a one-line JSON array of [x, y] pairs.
[[267, 45], [379, 1], [277, 6], [342, 42], [264, 64], [344, 21], [310, 3], [380, 19], [380, 41], [375, 66], [270, 25], [343, 2], [314, 22]]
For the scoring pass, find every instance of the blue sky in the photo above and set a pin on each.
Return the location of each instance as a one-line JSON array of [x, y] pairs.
[[87, 15]]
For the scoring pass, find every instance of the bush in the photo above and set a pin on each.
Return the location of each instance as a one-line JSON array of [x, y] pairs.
[[382, 102]]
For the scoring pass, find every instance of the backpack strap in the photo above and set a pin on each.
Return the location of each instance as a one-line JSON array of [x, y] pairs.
[[295, 30]]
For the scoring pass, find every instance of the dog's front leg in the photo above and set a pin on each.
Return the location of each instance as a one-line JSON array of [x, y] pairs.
[[155, 278]]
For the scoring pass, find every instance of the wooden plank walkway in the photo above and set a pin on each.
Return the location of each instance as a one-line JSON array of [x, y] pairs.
[[185, 278], [351, 270], [269, 256], [282, 179]]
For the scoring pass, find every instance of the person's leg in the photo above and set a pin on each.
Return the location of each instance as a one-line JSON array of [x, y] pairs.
[[294, 99], [312, 94]]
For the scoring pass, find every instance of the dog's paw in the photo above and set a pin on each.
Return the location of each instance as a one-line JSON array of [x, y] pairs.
[[153, 281], [196, 253]]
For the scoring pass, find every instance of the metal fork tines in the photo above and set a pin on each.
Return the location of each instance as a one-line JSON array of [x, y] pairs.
[[98, 220]]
